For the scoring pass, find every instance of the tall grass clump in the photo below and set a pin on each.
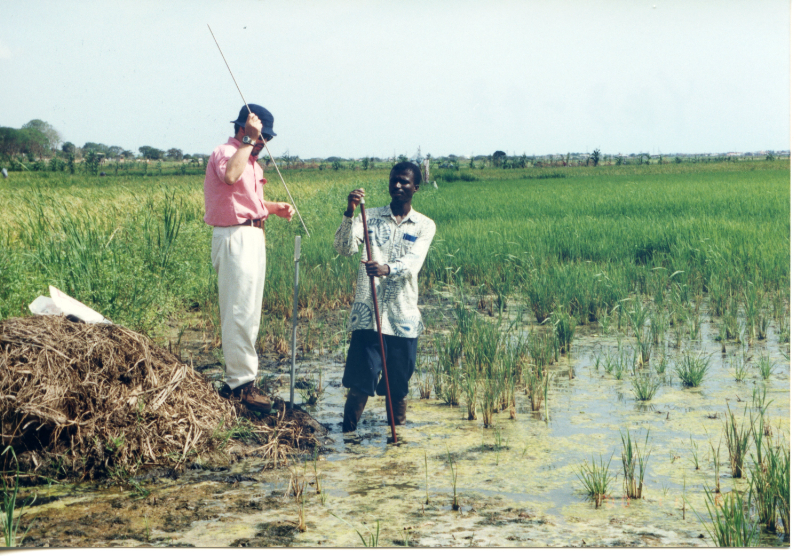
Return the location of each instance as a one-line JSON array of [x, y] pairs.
[[454, 478], [595, 480], [737, 438], [768, 478], [765, 366], [634, 464], [563, 330], [731, 524], [740, 362], [691, 368], [645, 386]]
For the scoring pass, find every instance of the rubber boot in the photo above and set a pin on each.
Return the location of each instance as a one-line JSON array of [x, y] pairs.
[[353, 407], [399, 411]]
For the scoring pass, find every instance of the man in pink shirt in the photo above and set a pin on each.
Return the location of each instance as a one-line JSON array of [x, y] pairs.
[[235, 206]]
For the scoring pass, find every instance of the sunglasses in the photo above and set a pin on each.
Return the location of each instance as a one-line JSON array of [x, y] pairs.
[[267, 138]]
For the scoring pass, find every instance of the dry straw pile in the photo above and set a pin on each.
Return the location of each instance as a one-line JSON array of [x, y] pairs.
[[102, 396]]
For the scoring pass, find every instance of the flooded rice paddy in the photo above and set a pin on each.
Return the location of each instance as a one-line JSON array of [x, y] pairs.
[[516, 482]]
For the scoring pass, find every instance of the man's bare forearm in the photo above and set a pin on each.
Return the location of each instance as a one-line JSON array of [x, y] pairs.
[[237, 163]]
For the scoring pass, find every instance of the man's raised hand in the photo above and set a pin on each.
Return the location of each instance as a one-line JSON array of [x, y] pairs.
[[354, 199]]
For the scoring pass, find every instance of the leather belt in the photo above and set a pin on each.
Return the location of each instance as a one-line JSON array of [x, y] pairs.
[[258, 223]]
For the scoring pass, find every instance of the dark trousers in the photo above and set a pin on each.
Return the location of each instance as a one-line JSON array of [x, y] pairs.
[[363, 368]]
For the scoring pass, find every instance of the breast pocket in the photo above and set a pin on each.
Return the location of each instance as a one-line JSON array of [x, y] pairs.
[[408, 240]]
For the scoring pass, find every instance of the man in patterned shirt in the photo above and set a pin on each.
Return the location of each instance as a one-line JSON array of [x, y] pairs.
[[400, 238]]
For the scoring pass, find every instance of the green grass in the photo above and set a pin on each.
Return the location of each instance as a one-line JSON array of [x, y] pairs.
[[136, 249], [765, 366], [10, 517], [737, 438], [731, 524], [692, 368], [595, 480], [634, 463], [645, 386]]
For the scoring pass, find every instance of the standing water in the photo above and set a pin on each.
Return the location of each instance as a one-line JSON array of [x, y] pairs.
[[515, 483]]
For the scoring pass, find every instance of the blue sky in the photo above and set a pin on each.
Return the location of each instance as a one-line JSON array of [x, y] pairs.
[[378, 78]]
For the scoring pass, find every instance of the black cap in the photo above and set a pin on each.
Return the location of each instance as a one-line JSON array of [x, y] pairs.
[[267, 120]]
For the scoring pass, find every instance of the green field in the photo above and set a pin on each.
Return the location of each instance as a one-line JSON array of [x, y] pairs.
[[136, 249]]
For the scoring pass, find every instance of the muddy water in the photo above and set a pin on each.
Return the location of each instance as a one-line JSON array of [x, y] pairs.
[[516, 482]]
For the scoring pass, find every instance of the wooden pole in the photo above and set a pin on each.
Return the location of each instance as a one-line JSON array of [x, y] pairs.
[[378, 322]]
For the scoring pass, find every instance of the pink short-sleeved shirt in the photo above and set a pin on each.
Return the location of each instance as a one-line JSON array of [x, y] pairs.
[[229, 205]]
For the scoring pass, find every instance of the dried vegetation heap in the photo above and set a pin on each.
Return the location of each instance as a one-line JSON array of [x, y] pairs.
[[100, 396]]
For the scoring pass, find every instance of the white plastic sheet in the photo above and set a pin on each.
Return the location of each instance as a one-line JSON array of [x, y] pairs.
[[60, 303]]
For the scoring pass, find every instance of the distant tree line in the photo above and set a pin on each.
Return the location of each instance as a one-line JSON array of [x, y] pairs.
[[37, 145]]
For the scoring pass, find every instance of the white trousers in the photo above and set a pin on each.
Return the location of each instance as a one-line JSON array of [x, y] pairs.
[[239, 258]]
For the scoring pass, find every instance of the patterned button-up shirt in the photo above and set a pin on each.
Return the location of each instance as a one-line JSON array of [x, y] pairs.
[[403, 247]]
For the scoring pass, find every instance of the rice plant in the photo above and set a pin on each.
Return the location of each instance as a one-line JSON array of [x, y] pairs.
[[778, 467], [661, 366], [297, 487], [693, 326], [454, 478], [488, 401], [731, 524], [737, 438], [534, 385], [427, 497], [314, 462], [769, 478], [637, 315], [645, 342], [691, 368], [9, 518], [563, 329], [469, 387], [740, 366], [715, 460], [452, 386], [425, 385], [730, 328], [369, 540], [658, 327], [595, 480], [754, 313], [765, 366], [546, 396], [759, 398], [693, 451], [634, 463], [604, 320], [609, 362], [781, 317], [645, 386]]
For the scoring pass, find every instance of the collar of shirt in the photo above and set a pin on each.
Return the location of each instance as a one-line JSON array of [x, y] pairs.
[[387, 212], [236, 143]]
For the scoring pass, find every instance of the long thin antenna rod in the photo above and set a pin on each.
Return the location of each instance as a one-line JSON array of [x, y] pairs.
[[262, 137]]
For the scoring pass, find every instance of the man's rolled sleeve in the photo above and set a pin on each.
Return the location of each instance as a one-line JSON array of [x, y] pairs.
[[348, 237], [220, 164]]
